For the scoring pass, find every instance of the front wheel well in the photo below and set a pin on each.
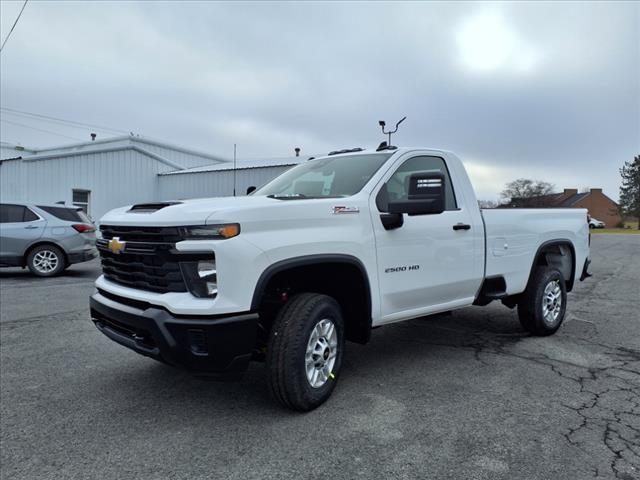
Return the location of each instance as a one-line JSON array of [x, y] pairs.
[[343, 279]]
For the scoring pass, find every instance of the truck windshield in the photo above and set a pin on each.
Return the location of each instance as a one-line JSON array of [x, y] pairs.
[[339, 176]]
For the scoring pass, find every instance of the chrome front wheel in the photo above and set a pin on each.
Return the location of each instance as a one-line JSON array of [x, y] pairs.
[[322, 349], [305, 349]]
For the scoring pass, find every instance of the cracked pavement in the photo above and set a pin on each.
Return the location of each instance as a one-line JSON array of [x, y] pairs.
[[467, 395]]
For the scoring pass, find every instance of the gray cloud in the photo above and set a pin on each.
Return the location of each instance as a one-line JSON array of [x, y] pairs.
[[545, 90]]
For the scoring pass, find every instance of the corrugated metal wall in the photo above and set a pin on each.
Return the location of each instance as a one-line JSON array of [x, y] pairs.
[[114, 179], [118, 178], [214, 184]]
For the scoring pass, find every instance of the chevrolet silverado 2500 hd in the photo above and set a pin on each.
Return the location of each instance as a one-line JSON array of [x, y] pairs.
[[323, 253]]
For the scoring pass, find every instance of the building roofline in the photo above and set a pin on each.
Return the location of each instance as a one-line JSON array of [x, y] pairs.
[[16, 147], [246, 165], [609, 198], [573, 199], [155, 156], [121, 138]]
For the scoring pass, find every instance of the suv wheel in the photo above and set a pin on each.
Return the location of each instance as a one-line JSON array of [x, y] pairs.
[[305, 351], [46, 261], [542, 307]]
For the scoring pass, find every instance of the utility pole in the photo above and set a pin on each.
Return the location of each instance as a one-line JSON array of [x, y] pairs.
[[234, 169]]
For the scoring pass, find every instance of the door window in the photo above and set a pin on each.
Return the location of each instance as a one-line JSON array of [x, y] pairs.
[[398, 184], [16, 214], [29, 216]]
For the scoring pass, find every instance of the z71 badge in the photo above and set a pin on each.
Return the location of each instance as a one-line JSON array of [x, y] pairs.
[[404, 268]]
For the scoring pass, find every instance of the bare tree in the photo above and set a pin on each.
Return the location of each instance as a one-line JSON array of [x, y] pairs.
[[525, 192]]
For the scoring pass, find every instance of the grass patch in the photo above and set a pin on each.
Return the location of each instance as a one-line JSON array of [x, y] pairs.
[[626, 231]]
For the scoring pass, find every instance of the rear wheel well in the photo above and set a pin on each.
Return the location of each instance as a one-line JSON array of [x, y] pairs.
[[342, 279], [560, 255], [39, 244]]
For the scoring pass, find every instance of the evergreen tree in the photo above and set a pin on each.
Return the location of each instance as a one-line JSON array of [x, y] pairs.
[[630, 189]]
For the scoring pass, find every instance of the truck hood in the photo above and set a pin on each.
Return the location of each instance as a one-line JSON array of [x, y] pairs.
[[217, 210], [183, 212]]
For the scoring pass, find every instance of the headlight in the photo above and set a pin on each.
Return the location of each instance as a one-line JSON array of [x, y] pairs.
[[201, 278], [198, 232]]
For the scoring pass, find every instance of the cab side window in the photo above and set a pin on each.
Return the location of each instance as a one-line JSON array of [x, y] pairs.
[[398, 184]]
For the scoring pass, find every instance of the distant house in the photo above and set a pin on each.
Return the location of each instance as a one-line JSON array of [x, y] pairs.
[[597, 203]]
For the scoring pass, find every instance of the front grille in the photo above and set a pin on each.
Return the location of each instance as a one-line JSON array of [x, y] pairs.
[[148, 261], [142, 234]]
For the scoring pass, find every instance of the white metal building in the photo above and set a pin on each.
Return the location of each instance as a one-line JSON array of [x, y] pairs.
[[104, 174], [218, 180]]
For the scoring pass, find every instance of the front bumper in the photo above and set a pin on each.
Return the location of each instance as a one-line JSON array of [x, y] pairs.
[[216, 346]]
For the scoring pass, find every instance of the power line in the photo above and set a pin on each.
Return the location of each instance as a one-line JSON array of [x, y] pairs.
[[39, 129], [14, 24], [62, 120]]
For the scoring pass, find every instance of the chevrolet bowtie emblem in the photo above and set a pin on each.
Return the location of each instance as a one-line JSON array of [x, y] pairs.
[[115, 245]]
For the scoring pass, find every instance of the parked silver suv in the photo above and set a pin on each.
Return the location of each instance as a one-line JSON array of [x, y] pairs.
[[45, 238]]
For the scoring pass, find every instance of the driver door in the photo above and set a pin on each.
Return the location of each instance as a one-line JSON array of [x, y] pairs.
[[425, 265]]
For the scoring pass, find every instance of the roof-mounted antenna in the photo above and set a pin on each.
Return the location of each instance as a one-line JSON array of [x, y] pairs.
[[383, 124]]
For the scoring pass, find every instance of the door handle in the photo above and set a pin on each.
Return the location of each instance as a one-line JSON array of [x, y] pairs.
[[461, 226], [31, 227]]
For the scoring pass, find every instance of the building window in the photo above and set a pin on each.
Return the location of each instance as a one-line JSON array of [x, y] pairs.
[[81, 199]]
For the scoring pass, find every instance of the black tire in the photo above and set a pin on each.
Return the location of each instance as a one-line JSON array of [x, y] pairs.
[[592, 226], [530, 306], [286, 352], [50, 251]]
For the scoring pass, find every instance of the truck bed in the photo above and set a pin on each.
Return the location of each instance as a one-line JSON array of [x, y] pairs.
[[514, 236]]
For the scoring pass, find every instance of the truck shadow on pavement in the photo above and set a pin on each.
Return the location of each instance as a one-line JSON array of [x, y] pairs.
[[409, 348]]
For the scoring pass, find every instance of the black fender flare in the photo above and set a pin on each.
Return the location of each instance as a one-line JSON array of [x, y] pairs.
[[551, 243], [318, 259]]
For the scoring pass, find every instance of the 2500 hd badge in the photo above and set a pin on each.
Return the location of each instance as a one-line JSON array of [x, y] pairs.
[[404, 268]]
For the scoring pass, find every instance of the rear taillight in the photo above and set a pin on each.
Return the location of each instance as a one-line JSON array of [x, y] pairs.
[[83, 228]]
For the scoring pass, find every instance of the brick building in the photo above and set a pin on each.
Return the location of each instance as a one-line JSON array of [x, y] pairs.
[[597, 203]]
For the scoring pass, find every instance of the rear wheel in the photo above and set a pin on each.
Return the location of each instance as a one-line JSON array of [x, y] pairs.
[[542, 307], [305, 350], [46, 261]]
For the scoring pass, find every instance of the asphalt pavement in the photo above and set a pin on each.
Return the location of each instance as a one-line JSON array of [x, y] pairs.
[[467, 396]]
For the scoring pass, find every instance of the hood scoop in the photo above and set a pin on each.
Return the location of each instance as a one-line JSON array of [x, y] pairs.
[[151, 207]]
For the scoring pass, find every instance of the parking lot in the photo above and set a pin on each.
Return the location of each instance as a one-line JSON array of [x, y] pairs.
[[467, 395]]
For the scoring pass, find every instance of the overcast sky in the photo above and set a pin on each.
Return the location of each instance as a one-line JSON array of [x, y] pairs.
[[541, 90]]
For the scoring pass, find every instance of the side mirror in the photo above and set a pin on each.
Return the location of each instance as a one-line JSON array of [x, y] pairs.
[[251, 189], [426, 195]]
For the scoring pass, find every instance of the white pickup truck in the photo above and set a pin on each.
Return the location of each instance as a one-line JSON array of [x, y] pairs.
[[322, 254]]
